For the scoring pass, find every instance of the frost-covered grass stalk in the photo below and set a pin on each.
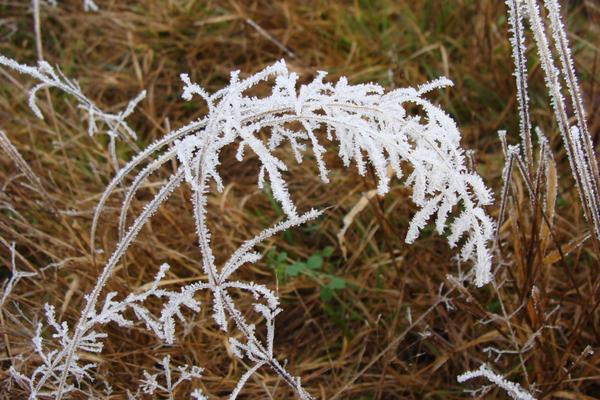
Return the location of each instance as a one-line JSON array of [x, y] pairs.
[[366, 125], [12, 152], [577, 138], [514, 390], [517, 40], [540, 180]]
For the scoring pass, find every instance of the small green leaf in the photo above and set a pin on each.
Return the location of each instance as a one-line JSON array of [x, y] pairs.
[[295, 268], [326, 293], [336, 283], [494, 306], [314, 262], [327, 251], [281, 256]]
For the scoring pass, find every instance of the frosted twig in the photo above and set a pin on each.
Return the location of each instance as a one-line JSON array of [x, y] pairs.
[[270, 37], [22, 165], [15, 277], [514, 390], [151, 384], [50, 77]]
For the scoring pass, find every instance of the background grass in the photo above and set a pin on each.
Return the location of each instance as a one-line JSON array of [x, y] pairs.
[[350, 326]]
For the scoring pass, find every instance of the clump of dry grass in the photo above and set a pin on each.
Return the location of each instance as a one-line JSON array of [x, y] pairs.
[[391, 332]]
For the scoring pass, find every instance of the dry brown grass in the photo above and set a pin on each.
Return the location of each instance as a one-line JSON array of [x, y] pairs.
[[360, 344]]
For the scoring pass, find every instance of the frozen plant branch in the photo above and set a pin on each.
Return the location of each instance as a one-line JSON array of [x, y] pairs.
[[152, 385], [514, 390], [362, 120], [50, 77], [63, 359], [15, 277], [367, 127]]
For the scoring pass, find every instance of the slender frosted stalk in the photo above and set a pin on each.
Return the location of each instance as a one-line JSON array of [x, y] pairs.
[[586, 190], [517, 40]]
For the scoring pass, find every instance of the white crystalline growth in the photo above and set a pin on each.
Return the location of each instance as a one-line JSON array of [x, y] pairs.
[[367, 126]]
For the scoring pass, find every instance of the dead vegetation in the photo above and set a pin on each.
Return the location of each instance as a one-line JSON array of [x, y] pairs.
[[377, 319]]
